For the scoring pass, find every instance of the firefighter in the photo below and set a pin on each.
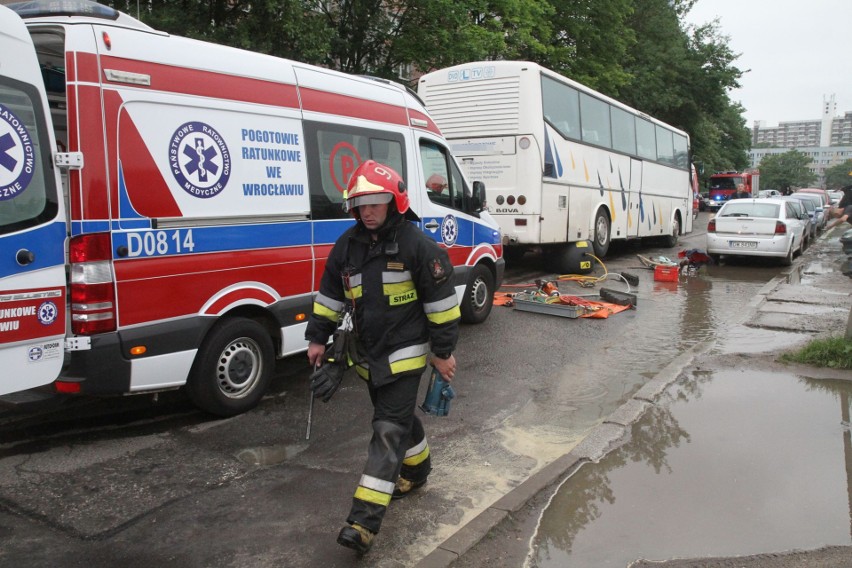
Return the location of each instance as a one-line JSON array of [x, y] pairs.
[[395, 285]]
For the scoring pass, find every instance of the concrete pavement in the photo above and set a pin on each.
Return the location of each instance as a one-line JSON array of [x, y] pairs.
[[811, 299]]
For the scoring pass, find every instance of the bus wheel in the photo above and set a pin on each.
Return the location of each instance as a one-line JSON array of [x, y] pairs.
[[233, 367], [671, 240], [478, 295], [601, 242]]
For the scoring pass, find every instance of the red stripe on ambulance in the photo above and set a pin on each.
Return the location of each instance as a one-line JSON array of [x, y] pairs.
[[170, 78]]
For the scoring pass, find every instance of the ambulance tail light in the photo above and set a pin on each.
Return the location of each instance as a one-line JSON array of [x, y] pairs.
[[92, 284]]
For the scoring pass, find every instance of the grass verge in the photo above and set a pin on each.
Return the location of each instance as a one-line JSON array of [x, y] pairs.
[[833, 352]]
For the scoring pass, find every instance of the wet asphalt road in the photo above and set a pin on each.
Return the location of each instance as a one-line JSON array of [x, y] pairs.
[[133, 481]]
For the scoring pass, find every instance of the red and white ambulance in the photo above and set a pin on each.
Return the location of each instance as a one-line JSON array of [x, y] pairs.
[[167, 205]]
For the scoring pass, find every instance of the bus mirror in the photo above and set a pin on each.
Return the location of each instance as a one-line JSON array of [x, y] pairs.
[[478, 198]]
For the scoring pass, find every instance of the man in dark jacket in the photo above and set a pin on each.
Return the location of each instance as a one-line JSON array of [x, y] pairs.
[[843, 212], [393, 286]]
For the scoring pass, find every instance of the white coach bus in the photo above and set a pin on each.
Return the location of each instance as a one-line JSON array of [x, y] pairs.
[[563, 165]]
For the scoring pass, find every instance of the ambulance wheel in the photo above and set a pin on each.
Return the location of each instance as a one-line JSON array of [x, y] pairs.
[[601, 240], [478, 295], [233, 367]]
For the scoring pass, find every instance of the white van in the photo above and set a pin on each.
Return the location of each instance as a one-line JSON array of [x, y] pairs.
[[167, 205]]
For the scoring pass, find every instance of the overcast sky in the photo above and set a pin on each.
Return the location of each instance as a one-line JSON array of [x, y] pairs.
[[796, 51]]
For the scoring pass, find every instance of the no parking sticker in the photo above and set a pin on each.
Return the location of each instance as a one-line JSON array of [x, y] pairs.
[[17, 155], [344, 160]]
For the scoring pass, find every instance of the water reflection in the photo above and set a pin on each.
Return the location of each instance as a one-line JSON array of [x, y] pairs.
[[731, 463]]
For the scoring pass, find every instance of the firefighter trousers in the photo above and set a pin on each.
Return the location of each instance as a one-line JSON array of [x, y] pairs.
[[398, 445]]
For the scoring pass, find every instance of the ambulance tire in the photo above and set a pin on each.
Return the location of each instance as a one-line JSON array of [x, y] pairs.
[[478, 295], [233, 367]]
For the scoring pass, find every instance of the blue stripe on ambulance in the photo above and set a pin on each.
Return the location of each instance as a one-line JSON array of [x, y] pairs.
[[42, 242]]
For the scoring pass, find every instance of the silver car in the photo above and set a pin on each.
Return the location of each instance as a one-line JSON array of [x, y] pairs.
[[820, 214], [808, 218], [769, 227]]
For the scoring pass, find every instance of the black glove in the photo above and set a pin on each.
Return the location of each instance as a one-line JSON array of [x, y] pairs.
[[326, 380]]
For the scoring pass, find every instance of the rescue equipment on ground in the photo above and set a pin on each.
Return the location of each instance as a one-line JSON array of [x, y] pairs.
[[666, 273], [547, 298], [692, 260], [438, 395], [653, 262]]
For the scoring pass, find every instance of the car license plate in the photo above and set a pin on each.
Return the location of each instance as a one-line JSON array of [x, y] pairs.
[[743, 244]]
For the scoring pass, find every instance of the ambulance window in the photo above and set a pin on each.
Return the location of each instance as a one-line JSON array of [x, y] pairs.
[[28, 197], [387, 152], [444, 183], [333, 153]]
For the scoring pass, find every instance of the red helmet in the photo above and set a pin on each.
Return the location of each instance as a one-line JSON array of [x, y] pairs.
[[373, 183]]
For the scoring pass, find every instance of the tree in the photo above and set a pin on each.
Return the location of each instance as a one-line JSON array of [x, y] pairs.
[[590, 42], [839, 175], [786, 171], [284, 28]]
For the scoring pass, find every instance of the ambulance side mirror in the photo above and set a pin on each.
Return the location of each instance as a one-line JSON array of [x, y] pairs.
[[477, 201]]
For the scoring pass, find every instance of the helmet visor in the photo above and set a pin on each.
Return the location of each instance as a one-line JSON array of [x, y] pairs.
[[368, 199]]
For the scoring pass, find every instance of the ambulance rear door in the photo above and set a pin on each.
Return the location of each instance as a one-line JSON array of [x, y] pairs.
[[32, 220]]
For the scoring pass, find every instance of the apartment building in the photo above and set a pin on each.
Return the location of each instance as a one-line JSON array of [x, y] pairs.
[[827, 140]]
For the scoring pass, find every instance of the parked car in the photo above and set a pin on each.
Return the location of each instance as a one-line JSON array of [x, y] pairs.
[[704, 201], [768, 227], [769, 193], [823, 194], [835, 195], [820, 214], [808, 218]]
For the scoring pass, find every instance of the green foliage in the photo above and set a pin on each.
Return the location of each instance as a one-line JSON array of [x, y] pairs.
[[786, 171], [590, 41], [834, 352], [838, 176]]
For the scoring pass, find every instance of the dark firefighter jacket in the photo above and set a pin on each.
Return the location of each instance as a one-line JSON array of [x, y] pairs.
[[404, 299]]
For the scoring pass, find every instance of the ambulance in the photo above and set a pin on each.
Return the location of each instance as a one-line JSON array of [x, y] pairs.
[[167, 205]]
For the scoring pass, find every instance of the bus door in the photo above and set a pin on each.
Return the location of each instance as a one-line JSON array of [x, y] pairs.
[[32, 220], [636, 206]]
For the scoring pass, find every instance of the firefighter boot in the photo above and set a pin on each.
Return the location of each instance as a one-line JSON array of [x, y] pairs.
[[404, 487], [416, 464], [356, 537]]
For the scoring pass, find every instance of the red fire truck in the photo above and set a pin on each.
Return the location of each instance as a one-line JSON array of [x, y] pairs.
[[723, 185]]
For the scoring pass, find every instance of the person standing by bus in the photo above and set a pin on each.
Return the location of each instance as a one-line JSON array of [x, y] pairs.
[[396, 285]]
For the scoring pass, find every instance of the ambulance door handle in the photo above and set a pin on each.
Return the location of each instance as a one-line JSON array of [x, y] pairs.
[[24, 257], [432, 225]]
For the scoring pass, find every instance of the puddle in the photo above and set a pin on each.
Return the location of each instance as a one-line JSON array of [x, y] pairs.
[[818, 268], [270, 455], [735, 463]]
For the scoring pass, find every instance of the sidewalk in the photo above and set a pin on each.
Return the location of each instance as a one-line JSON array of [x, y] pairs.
[[811, 299]]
